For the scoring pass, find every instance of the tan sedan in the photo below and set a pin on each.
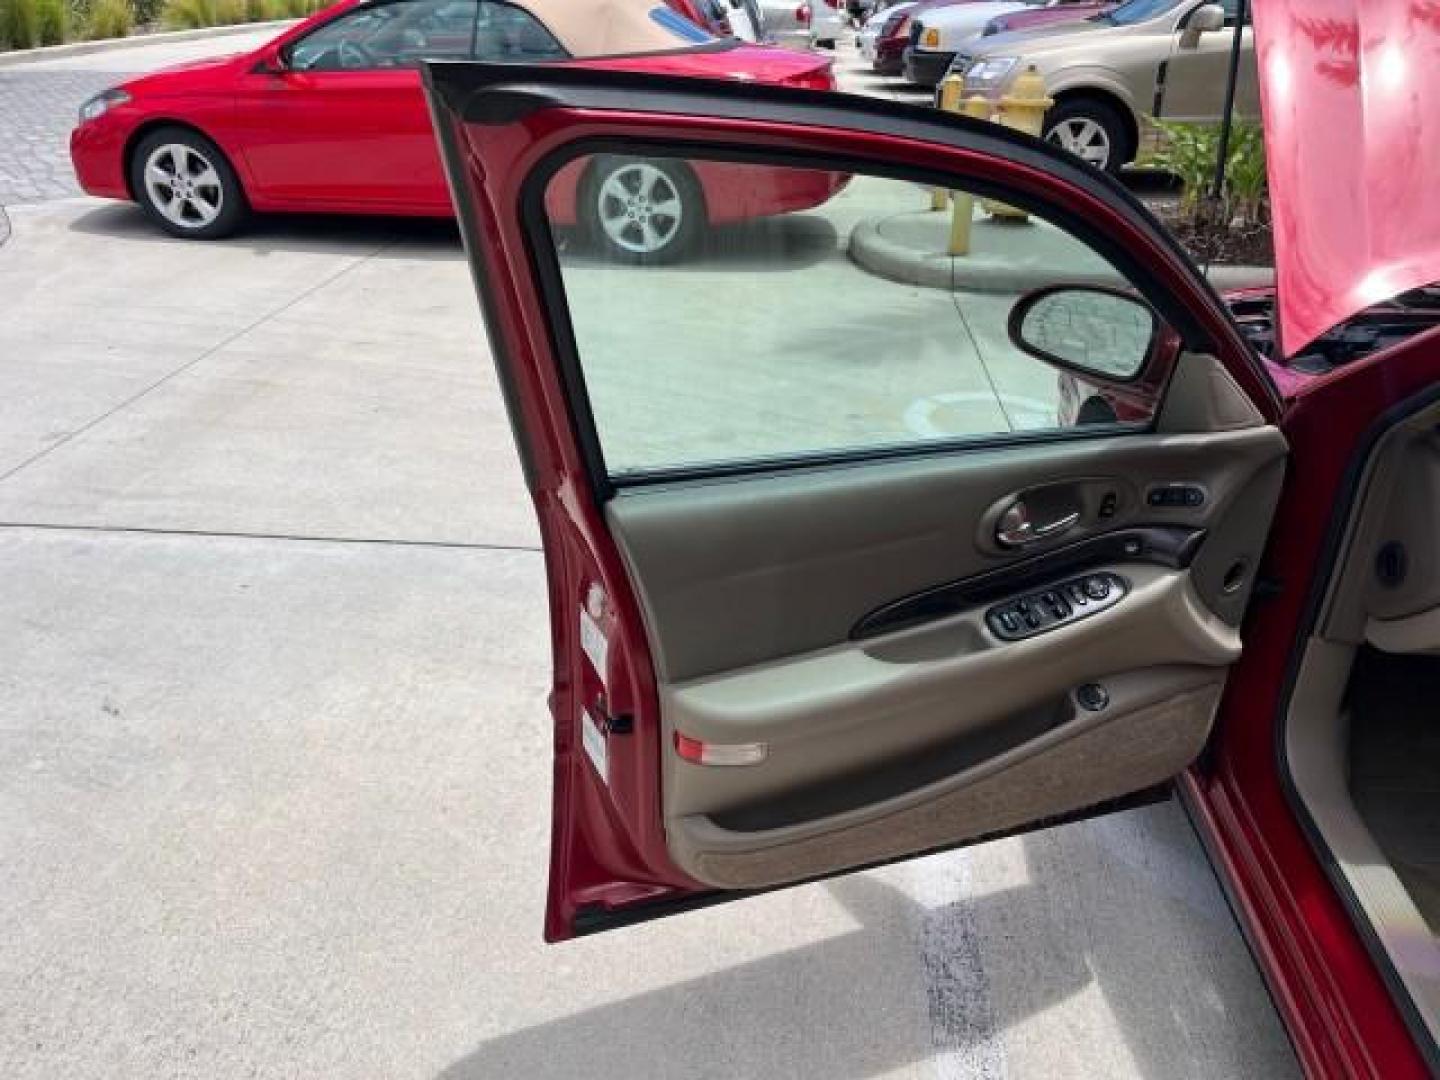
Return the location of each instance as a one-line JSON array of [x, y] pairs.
[[1111, 73]]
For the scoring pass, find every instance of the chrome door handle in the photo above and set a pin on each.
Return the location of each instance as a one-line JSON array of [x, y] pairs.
[[1015, 528]]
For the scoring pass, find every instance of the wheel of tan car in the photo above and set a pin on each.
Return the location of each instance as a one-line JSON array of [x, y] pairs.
[[642, 210], [1091, 130], [186, 184]]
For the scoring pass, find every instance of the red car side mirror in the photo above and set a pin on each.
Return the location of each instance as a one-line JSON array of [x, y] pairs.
[[271, 61]]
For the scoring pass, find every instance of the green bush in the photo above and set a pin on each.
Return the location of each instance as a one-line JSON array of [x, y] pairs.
[[109, 19], [1189, 151], [18, 28], [25, 24], [188, 14]]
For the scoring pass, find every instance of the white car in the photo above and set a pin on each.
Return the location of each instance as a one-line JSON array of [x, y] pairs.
[[827, 20], [746, 22], [938, 34]]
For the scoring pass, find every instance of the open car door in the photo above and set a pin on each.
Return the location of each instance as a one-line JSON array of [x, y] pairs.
[[851, 556]]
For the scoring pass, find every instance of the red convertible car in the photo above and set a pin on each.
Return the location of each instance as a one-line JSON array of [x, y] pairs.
[[775, 666], [330, 117]]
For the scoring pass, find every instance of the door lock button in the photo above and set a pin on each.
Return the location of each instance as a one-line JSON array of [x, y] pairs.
[[1173, 496]]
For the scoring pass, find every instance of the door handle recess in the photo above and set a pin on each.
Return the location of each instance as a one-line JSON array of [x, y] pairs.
[[1015, 529]]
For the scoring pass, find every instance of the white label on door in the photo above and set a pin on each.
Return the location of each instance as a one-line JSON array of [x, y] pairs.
[[593, 739], [592, 641]]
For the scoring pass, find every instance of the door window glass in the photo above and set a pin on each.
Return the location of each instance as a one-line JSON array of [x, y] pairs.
[[726, 312], [402, 33]]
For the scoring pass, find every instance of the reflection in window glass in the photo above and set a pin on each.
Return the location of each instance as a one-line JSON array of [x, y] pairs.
[[729, 312]]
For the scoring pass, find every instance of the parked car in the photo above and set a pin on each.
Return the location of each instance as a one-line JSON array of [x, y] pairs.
[[773, 668], [330, 117], [886, 52], [827, 20], [1110, 73], [893, 36], [1052, 13], [787, 23], [937, 34]]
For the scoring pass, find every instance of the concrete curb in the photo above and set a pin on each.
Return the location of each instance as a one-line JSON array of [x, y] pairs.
[[873, 252], [21, 57]]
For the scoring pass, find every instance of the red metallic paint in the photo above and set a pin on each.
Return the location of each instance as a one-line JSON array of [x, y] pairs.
[[608, 848], [362, 141], [1352, 133], [610, 864], [1344, 1020]]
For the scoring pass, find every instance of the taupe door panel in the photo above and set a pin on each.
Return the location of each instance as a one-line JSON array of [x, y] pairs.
[[1158, 723], [736, 573], [765, 601], [825, 715]]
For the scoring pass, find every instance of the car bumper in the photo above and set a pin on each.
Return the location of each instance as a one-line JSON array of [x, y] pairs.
[[97, 152], [926, 68]]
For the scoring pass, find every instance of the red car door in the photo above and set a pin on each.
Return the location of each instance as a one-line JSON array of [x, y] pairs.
[[829, 590], [337, 119], [341, 140]]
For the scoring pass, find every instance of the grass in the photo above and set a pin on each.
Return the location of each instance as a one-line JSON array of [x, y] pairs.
[[24, 24], [191, 14], [109, 19]]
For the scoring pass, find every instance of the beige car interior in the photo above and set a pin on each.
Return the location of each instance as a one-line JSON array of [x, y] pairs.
[[839, 626], [1363, 729]]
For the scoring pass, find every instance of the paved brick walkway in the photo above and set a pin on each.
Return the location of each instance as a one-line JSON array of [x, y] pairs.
[[37, 111]]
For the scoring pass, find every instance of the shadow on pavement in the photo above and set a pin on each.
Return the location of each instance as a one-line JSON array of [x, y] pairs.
[[1176, 1004], [411, 238], [790, 242]]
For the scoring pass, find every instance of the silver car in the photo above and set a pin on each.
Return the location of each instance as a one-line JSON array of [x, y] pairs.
[[787, 22], [1111, 73]]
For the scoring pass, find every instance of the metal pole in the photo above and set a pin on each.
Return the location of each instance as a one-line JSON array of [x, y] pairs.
[[1227, 114]]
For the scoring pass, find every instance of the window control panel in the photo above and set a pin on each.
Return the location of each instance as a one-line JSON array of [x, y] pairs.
[[1055, 606]]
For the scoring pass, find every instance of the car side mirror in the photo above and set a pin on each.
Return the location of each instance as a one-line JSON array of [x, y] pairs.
[[272, 61], [1104, 335], [1205, 19]]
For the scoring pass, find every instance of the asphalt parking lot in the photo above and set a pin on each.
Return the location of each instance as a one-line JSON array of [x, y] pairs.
[[274, 755]]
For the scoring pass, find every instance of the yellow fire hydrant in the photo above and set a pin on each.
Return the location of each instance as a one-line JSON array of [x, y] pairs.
[[948, 100], [1023, 109], [963, 215]]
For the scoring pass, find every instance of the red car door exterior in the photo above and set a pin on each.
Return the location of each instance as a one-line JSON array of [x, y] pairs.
[[341, 139], [504, 133]]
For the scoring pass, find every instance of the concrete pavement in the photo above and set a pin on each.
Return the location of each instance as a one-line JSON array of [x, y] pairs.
[[274, 757], [39, 101]]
